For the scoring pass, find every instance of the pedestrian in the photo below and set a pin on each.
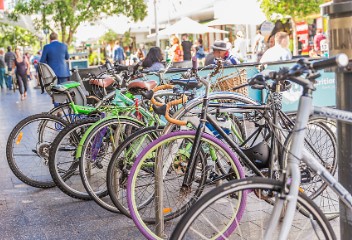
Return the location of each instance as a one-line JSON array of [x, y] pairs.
[[186, 46], [9, 59], [55, 54], [319, 36], [258, 46], [221, 51], [119, 55], [240, 48], [2, 68], [153, 60], [35, 60], [22, 66], [280, 51], [175, 52], [140, 54], [200, 53]]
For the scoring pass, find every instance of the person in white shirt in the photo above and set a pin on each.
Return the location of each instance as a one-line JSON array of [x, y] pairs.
[[240, 48], [258, 46], [280, 51]]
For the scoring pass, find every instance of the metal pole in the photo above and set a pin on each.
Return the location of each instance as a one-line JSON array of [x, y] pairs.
[[340, 41], [156, 25]]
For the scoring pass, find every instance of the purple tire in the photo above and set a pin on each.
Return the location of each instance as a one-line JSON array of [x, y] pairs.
[[149, 234]]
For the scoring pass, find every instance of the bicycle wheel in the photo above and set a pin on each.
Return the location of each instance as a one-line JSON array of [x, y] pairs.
[[173, 152], [120, 165], [98, 145], [321, 143], [63, 165], [28, 146], [202, 222]]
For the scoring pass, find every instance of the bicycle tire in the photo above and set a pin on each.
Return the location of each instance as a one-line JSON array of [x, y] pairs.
[[64, 147], [93, 173], [119, 166], [248, 226], [40, 150], [134, 207]]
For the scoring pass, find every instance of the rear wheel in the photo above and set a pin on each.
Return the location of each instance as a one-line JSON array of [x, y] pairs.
[[120, 166], [97, 148], [28, 147], [63, 164]]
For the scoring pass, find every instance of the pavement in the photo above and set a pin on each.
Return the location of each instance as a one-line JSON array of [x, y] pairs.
[[32, 213]]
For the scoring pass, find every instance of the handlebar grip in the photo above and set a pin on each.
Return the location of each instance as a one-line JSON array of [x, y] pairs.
[[163, 87], [340, 60], [158, 88], [153, 101], [178, 101], [172, 120]]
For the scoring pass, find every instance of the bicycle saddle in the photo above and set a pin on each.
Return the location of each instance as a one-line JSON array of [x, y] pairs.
[[138, 85], [59, 88], [106, 82]]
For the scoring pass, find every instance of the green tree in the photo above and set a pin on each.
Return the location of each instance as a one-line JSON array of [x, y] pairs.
[[68, 14], [16, 36], [109, 37], [296, 10]]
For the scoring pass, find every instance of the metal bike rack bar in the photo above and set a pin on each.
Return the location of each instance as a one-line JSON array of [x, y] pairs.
[[340, 41]]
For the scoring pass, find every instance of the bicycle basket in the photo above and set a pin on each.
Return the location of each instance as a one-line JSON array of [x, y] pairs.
[[228, 82]]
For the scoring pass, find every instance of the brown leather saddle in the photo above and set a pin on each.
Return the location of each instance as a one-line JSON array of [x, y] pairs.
[[104, 82], [138, 86]]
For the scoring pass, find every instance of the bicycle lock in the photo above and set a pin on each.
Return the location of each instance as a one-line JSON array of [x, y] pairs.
[[340, 41]]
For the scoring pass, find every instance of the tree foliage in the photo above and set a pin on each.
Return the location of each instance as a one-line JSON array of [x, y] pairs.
[[109, 37], [295, 9], [16, 36], [66, 15]]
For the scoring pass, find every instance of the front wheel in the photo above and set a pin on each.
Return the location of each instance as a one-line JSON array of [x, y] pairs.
[[202, 222], [215, 164]]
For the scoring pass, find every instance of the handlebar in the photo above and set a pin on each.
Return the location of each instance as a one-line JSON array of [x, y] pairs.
[[293, 74], [158, 88], [340, 60], [165, 108]]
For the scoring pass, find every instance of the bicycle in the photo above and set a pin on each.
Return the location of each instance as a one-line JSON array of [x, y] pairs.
[[288, 218], [190, 166]]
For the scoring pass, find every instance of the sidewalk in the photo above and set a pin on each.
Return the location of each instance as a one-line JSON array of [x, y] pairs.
[[31, 213]]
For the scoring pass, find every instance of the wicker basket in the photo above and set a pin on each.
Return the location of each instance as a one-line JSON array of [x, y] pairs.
[[228, 82]]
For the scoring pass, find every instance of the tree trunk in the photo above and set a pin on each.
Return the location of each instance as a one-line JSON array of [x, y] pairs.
[[294, 37], [70, 37]]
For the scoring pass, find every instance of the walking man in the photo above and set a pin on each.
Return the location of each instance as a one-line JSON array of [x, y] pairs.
[[186, 46], [55, 54], [9, 60]]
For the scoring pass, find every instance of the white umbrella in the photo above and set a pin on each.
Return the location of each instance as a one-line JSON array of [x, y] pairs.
[[187, 25], [86, 31]]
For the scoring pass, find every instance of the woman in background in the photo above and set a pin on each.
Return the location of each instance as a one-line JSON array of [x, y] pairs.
[[22, 66], [153, 60], [176, 50]]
